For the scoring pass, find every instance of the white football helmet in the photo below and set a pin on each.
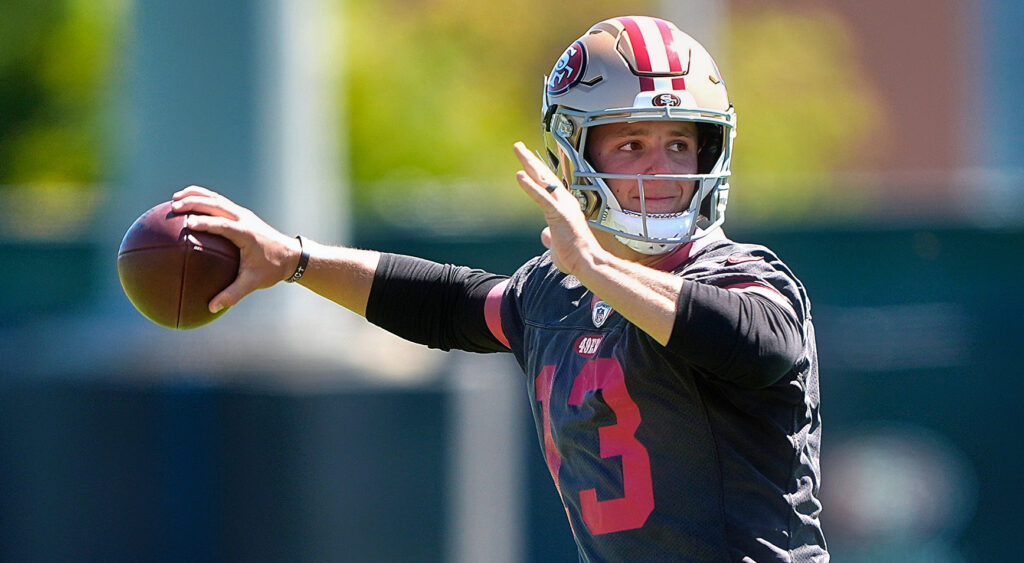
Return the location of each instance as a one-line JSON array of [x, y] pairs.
[[629, 69]]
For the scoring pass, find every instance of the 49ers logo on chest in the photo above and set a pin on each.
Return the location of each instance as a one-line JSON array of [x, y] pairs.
[[587, 346], [568, 70]]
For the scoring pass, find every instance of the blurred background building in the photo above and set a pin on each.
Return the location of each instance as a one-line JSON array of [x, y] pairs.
[[878, 153]]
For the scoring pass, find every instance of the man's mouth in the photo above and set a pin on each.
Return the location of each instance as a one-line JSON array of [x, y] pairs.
[[655, 200]]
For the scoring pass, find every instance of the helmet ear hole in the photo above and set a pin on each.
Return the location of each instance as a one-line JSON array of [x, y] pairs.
[[710, 138], [704, 214]]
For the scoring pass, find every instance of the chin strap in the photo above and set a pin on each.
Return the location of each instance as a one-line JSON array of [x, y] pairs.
[[649, 248], [674, 226]]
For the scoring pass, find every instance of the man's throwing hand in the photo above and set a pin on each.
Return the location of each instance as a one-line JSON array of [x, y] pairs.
[[267, 256], [567, 236]]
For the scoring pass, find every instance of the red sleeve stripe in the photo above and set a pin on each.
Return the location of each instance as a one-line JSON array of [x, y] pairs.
[[492, 312]]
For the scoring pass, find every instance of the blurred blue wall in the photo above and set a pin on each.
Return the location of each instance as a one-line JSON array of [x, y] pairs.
[[918, 329], [1002, 83]]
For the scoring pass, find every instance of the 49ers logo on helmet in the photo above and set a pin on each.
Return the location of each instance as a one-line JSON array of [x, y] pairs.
[[666, 100], [568, 70]]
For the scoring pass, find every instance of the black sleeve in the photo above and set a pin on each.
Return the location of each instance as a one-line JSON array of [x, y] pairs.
[[740, 337], [439, 305]]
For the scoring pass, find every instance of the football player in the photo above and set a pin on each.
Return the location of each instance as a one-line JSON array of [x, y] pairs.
[[672, 372]]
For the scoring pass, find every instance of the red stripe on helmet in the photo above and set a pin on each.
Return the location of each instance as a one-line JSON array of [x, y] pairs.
[[674, 63], [643, 60]]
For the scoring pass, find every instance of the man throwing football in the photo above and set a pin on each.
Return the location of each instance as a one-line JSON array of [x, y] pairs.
[[672, 372]]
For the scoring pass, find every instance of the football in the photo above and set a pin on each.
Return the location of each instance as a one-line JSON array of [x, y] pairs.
[[170, 273]]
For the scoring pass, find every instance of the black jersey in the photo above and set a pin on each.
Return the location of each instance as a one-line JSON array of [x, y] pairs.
[[659, 456], [705, 449]]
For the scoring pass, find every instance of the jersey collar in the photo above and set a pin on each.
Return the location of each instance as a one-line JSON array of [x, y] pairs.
[[679, 256]]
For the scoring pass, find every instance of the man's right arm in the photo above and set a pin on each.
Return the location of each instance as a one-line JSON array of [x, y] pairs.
[[343, 275], [439, 305]]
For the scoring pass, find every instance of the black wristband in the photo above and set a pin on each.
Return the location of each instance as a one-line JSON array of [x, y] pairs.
[[303, 262]]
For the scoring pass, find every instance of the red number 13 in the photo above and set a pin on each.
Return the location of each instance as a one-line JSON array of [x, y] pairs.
[[618, 440]]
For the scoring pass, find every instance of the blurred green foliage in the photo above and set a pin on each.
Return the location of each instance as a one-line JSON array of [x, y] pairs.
[[56, 67], [805, 112], [435, 94], [439, 90]]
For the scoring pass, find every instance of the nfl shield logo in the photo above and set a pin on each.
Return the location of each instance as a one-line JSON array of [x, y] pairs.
[[601, 313]]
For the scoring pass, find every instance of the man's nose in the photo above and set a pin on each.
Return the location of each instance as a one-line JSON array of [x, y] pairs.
[[660, 162]]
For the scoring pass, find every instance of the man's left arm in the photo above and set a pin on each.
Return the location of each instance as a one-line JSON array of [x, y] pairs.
[[747, 333], [754, 333], [645, 296]]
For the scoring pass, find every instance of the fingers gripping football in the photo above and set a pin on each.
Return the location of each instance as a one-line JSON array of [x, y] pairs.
[[266, 254]]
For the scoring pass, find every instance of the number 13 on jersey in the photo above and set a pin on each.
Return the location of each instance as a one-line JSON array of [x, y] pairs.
[[618, 440]]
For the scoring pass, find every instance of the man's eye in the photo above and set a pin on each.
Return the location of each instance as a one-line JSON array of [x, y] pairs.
[[681, 146], [630, 146]]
